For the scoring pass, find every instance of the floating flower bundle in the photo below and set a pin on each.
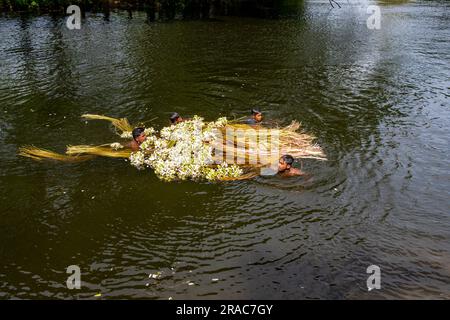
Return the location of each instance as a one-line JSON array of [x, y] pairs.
[[184, 151], [196, 149]]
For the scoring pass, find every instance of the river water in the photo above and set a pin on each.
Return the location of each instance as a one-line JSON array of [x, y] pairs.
[[377, 101]]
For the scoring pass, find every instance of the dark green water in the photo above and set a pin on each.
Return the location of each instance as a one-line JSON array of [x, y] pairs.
[[378, 101]]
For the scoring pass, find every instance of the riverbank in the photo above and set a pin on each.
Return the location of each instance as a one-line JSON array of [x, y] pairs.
[[160, 10]]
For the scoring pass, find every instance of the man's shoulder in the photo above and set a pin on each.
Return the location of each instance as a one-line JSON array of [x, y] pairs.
[[297, 171]]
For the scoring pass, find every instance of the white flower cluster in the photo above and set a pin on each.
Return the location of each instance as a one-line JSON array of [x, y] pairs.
[[223, 171], [126, 135], [149, 131], [183, 151], [116, 146]]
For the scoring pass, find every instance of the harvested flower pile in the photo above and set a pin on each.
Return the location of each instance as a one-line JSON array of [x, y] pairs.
[[196, 149]]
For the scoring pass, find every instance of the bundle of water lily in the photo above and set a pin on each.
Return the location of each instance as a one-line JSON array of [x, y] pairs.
[[197, 150]]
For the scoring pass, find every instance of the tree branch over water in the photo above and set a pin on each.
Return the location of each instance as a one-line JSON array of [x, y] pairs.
[[331, 2]]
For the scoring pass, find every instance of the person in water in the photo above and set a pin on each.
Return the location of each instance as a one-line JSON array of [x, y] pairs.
[[256, 117], [138, 138], [175, 118], [285, 167]]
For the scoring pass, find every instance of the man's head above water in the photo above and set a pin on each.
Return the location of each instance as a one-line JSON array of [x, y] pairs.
[[285, 167], [138, 135], [257, 115], [285, 163], [175, 118]]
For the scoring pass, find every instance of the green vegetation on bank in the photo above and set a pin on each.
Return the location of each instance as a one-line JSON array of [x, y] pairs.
[[162, 9], [57, 5]]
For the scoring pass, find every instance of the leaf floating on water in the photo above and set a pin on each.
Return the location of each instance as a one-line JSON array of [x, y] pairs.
[[98, 295], [156, 275]]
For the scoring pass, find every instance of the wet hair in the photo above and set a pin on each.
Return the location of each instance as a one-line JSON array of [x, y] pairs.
[[255, 111], [137, 132], [173, 118], [288, 159]]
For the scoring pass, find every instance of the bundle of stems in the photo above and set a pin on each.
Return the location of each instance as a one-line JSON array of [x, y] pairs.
[[102, 151], [255, 145], [74, 153], [121, 124], [41, 154]]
